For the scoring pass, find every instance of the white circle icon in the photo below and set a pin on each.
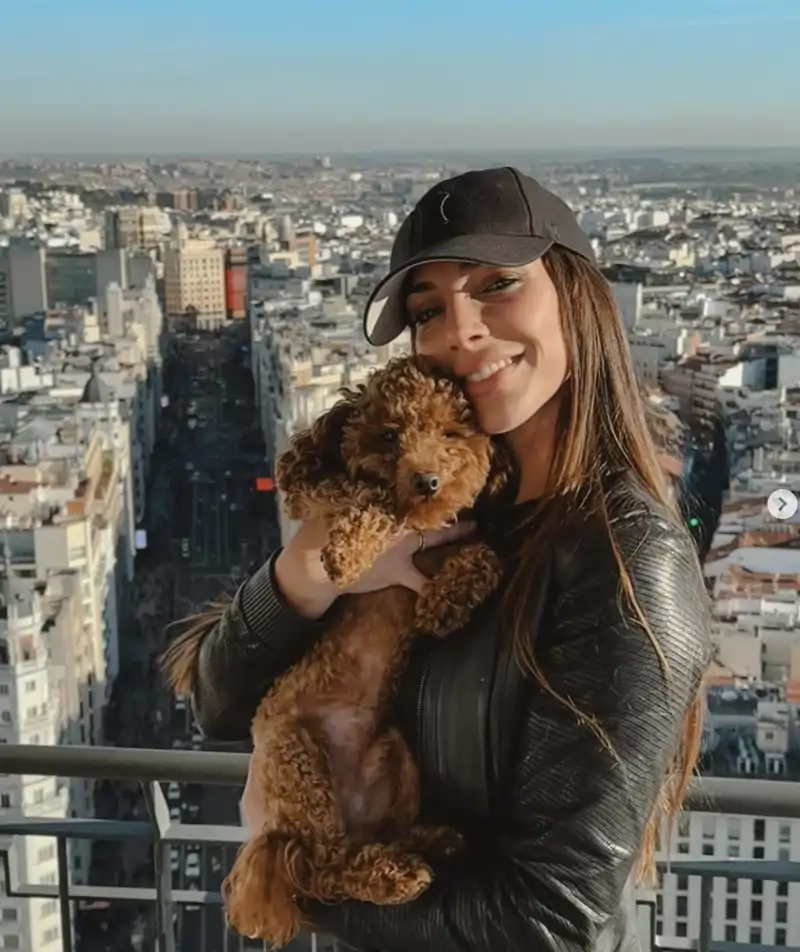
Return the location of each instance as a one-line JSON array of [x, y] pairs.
[[782, 504]]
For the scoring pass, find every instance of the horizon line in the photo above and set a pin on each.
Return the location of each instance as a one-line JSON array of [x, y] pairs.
[[420, 151]]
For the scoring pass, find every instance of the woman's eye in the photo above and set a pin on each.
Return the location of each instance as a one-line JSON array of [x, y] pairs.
[[422, 317], [452, 434], [502, 284]]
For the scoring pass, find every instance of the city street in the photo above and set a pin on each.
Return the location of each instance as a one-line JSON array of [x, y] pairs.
[[207, 530], [217, 538]]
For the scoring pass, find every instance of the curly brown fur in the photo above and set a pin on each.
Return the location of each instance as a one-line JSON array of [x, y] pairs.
[[344, 469], [340, 787]]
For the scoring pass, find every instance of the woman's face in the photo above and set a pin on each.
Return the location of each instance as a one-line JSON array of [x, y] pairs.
[[499, 329]]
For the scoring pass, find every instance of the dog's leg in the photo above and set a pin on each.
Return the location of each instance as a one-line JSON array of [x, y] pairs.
[[390, 760], [391, 870], [464, 581], [432, 841], [391, 783], [356, 538], [281, 861]]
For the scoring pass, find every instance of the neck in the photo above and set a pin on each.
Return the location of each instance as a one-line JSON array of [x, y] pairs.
[[533, 445]]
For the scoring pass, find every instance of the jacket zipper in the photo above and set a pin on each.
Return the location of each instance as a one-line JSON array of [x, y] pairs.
[[420, 696]]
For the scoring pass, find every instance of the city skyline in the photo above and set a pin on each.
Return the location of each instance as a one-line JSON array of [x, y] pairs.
[[170, 326], [178, 78]]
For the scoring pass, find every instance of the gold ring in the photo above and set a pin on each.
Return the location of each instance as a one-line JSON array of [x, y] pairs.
[[421, 546]]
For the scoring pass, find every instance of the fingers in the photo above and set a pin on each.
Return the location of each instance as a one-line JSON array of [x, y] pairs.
[[460, 530]]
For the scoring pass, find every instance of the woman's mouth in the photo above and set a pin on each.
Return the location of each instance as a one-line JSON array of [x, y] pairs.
[[487, 375]]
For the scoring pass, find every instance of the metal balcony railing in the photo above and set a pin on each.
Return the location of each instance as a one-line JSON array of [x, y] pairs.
[[150, 768]]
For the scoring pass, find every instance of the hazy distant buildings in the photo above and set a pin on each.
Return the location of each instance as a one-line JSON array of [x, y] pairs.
[[13, 204], [73, 277], [135, 227], [23, 285]]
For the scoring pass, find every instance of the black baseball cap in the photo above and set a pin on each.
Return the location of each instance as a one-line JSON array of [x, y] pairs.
[[493, 216]]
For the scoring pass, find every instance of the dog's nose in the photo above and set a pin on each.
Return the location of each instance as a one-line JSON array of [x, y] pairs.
[[425, 484]]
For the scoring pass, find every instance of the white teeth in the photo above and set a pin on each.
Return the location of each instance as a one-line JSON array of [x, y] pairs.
[[489, 370]]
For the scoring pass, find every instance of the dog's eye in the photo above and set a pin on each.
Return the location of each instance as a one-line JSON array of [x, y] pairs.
[[389, 436], [452, 434]]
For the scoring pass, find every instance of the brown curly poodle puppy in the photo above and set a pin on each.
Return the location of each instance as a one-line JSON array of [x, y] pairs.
[[402, 452]]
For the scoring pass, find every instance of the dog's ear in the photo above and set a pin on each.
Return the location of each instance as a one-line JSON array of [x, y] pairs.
[[315, 454]]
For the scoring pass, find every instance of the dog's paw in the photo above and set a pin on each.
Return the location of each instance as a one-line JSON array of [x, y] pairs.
[[433, 842], [340, 566], [441, 841], [355, 539], [437, 613], [464, 582], [403, 885], [386, 874]]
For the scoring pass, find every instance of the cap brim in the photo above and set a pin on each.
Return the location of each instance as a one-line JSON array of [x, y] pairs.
[[385, 316]]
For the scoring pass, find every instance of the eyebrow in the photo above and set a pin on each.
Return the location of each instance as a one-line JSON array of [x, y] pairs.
[[419, 286]]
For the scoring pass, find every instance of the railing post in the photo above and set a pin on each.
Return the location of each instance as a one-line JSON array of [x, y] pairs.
[[704, 937], [159, 814], [164, 905], [64, 902]]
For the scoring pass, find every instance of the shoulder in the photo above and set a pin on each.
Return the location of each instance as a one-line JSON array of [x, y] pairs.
[[661, 570], [639, 527]]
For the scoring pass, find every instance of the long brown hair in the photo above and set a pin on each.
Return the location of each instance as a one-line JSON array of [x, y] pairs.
[[601, 430]]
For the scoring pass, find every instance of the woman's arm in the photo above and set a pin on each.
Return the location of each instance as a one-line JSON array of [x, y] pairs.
[[576, 811], [243, 649], [232, 655]]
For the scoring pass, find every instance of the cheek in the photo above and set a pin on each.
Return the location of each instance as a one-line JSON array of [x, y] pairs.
[[427, 342], [541, 327]]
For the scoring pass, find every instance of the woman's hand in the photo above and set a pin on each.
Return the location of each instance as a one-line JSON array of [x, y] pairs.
[[302, 580]]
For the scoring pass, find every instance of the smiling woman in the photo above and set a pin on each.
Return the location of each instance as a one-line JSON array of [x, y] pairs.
[[561, 725], [499, 329]]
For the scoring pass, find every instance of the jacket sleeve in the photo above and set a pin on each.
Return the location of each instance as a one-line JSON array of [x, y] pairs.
[[555, 874], [246, 648]]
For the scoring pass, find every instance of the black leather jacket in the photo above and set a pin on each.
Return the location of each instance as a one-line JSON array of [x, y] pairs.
[[553, 821]]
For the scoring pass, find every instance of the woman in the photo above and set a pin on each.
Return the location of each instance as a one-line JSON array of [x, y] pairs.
[[561, 726]]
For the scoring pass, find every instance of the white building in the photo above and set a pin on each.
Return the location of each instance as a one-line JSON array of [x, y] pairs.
[[302, 355], [29, 714], [758, 913]]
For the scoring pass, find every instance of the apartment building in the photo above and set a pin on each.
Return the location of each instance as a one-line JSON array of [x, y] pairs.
[[64, 508], [23, 285], [78, 417], [756, 913], [13, 203], [30, 713], [194, 278], [135, 227], [67, 549]]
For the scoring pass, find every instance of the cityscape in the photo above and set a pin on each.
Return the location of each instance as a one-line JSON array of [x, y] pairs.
[[168, 324]]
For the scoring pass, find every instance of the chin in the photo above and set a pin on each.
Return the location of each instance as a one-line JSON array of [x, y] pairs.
[[498, 421]]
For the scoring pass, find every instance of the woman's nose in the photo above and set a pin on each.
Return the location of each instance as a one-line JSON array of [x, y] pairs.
[[464, 323]]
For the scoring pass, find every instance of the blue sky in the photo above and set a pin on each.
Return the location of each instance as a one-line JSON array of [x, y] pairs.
[[320, 75]]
